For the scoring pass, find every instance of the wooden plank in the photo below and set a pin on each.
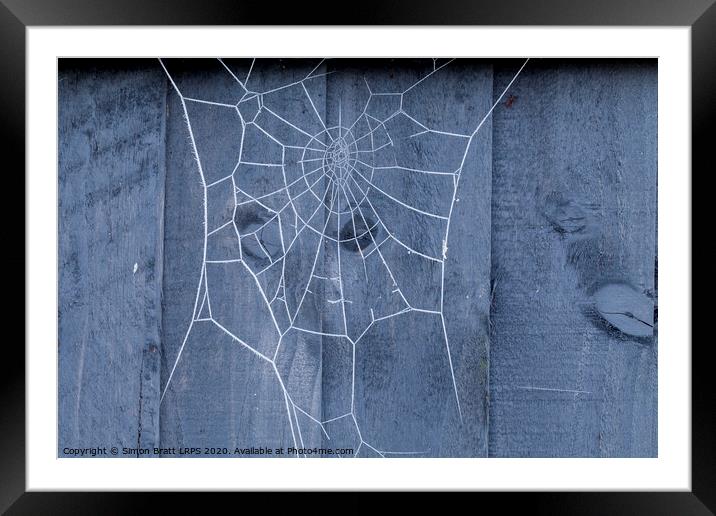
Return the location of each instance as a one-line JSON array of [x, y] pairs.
[[574, 211], [111, 181], [412, 380], [234, 375]]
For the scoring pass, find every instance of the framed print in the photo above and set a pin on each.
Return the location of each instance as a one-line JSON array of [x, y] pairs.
[[433, 254]]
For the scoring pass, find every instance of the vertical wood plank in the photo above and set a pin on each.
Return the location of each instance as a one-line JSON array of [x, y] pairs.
[[573, 369], [416, 297], [111, 181], [231, 378]]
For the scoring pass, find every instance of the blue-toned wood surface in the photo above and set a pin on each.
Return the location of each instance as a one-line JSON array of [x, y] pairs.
[[574, 212], [548, 288], [111, 210]]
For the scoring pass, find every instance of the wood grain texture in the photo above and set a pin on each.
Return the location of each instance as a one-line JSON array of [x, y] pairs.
[[573, 210], [222, 394], [111, 183], [405, 398], [380, 386], [550, 273]]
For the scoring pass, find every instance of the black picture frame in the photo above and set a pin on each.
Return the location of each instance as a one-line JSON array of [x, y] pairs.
[[17, 15]]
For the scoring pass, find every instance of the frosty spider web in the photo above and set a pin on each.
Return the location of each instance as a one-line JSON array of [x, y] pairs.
[[304, 186]]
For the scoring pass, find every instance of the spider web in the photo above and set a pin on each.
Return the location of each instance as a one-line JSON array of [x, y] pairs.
[[304, 185]]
